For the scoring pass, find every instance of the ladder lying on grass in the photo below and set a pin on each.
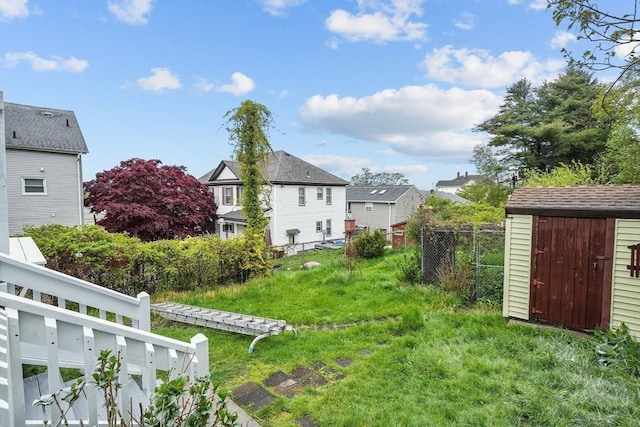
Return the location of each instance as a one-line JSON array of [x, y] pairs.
[[259, 327]]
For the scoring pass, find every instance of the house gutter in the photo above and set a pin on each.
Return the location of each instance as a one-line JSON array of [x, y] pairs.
[[4, 209]]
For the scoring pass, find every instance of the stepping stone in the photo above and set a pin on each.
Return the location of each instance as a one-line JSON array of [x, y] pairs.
[[306, 422], [287, 388], [365, 352], [252, 395], [306, 376], [275, 379], [345, 362]]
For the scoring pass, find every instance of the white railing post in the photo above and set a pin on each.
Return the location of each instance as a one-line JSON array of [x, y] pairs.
[[201, 343], [173, 364], [144, 312], [5, 386], [53, 365], [89, 368], [16, 394], [123, 399], [149, 372]]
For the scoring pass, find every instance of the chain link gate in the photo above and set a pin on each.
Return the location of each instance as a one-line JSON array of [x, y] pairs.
[[445, 249]]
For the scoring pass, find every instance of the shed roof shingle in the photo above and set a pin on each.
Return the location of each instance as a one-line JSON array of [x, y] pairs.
[[615, 200], [43, 129]]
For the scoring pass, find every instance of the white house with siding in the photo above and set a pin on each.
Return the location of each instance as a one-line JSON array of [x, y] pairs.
[[44, 148], [306, 203], [572, 256]]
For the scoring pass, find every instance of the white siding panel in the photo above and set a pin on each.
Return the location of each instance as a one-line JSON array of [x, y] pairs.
[[288, 214], [517, 271], [625, 301], [62, 203]]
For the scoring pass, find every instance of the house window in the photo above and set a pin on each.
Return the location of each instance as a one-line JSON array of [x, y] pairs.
[[320, 194], [239, 195], [328, 196], [368, 207], [292, 239], [328, 228], [318, 226], [229, 228], [227, 198], [302, 200], [34, 186]]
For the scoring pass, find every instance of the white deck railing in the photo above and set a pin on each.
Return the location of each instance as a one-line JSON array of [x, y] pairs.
[[36, 282], [42, 334]]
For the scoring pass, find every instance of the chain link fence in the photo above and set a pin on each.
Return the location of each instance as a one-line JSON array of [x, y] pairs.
[[474, 255]]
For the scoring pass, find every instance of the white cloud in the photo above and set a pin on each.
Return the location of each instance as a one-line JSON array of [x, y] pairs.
[[55, 63], [279, 7], [202, 85], [424, 121], [562, 38], [466, 21], [10, 9], [240, 85], [379, 22], [478, 68], [538, 4], [630, 47], [133, 12], [343, 166], [160, 80]]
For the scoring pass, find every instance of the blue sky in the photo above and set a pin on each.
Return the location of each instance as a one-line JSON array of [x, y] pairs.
[[395, 86]]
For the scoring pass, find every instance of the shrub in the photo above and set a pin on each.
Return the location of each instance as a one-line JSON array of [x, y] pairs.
[[370, 244], [616, 347], [409, 268]]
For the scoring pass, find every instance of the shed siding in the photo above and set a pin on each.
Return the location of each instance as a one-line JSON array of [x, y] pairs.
[[517, 271], [625, 299], [63, 202]]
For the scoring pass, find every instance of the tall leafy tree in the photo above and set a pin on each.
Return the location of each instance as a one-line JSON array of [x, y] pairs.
[[610, 33], [541, 128], [151, 201], [248, 126], [368, 178], [621, 159]]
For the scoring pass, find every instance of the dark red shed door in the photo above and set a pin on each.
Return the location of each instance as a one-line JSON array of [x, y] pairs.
[[571, 271]]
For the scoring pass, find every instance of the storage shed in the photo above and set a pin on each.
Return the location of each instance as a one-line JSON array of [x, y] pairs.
[[572, 256]]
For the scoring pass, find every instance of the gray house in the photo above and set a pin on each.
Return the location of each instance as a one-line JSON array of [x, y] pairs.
[[453, 185], [44, 148], [380, 207]]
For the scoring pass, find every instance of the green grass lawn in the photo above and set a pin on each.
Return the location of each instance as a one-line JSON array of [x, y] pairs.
[[417, 358]]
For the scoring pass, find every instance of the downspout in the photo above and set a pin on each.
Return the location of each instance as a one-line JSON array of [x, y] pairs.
[[389, 220], [80, 191], [4, 209]]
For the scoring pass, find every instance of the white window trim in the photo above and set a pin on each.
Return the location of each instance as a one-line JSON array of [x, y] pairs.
[[318, 226], [368, 207], [44, 186], [302, 196], [320, 193], [329, 196]]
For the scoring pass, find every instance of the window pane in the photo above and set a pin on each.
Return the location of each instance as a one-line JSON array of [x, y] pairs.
[[301, 196], [320, 194], [33, 185], [328, 227], [328, 196], [318, 226]]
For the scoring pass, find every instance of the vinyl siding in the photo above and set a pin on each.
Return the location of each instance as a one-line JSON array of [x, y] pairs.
[[287, 214], [63, 202], [517, 266], [625, 299]]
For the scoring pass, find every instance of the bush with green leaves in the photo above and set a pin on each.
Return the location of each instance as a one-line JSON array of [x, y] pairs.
[[615, 347], [128, 265], [370, 244]]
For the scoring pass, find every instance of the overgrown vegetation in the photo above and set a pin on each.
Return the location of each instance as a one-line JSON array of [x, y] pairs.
[[370, 244], [419, 357], [128, 265]]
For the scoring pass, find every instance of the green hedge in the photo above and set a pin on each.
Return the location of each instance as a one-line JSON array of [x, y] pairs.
[[128, 265]]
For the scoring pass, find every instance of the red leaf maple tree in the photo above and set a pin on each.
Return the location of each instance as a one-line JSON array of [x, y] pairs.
[[151, 201]]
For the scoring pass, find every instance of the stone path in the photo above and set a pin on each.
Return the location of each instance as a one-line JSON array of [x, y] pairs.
[[255, 396]]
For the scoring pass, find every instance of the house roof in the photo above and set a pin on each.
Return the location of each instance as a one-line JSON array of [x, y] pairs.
[[445, 195], [459, 181], [378, 193], [42, 129], [586, 201], [282, 168], [234, 216]]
